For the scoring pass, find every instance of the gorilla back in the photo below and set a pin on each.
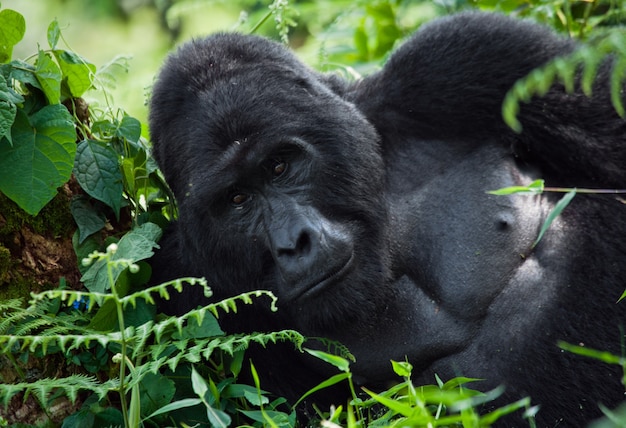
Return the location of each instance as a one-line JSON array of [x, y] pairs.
[[363, 207]]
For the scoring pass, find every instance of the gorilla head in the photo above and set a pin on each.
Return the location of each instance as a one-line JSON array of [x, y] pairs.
[[362, 206], [296, 175]]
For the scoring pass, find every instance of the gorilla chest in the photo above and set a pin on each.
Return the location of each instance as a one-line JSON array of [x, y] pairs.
[[456, 242]]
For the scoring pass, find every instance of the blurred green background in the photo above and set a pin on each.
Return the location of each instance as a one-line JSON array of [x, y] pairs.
[[143, 31]]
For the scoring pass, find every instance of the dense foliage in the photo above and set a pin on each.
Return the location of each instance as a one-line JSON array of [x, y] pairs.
[[124, 364]]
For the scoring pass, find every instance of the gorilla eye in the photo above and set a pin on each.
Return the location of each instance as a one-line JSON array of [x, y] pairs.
[[239, 199], [278, 167]]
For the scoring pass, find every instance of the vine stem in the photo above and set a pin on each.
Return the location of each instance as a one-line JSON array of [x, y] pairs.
[[120, 320], [261, 22], [579, 190]]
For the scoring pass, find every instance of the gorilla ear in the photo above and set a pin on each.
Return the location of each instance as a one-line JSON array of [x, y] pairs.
[[335, 83]]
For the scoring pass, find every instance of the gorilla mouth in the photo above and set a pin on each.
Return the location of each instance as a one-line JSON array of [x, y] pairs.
[[333, 276]]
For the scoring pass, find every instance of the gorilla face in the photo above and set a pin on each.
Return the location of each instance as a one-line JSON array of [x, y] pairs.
[[286, 180]]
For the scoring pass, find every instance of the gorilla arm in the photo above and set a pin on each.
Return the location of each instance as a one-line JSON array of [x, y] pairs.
[[449, 81]]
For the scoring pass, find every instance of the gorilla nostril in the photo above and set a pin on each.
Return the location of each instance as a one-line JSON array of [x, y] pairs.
[[303, 246], [504, 221], [299, 247]]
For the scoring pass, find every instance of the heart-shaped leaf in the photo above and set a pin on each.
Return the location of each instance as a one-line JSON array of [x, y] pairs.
[[40, 159]]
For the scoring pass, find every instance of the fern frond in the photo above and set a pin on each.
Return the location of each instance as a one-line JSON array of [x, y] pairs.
[[586, 59], [65, 342], [42, 388], [227, 305], [231, 303]]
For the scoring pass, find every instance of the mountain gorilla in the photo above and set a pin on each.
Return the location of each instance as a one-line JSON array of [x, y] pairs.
[[363, 207]]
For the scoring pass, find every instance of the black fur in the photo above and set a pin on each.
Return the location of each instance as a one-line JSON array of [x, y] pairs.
[[362, 206]]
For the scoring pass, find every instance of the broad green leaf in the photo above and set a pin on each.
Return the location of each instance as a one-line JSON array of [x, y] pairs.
[[105, 318], [7, 93], [556, 211], [82, 250], [54, 32], [97, 171], [49, 77], [130, 129], [8, 103], [156, 391], [128, 173], [7, 116], [217, 418], [77, 72], [12, 29], [136, 245], [88, 219], [40, 159], [271, 418], [199, 385], [25, 73], [248, 392], [208, 328], [104, 129]]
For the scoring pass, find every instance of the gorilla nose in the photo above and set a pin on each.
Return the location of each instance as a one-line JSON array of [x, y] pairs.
[[297, 251], [308, 249]]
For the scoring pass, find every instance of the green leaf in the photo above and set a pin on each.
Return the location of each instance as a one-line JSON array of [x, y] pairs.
[[7, 116], [556, 211], [209, 327], [325, 384], [7, 93], [130, 129], [49, 77], [136, 245], [106, 317], [337, 361], [54, 32], [603, 356], [402, 368], [88, 219], [82, 250], [98, 173], [77, 72], [250, 393], [156, 391], [399, 407], [176, 405], [40, 159], [199, 385], [25, 73], [12, 29], [534, 188], [217, 418], [457, 382], [108, 73], [8, 105]]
